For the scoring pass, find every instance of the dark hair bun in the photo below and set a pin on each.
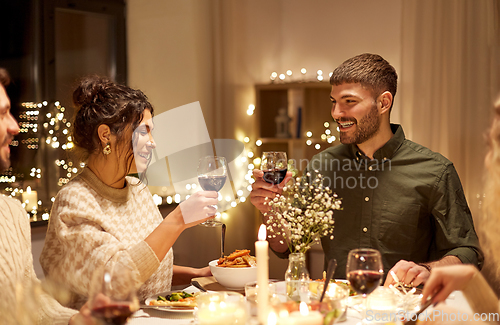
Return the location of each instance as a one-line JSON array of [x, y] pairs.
[[92, 90]]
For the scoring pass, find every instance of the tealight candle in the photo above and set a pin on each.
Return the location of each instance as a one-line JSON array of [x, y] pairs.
[[304, 316], [261, 253], [220, 308]]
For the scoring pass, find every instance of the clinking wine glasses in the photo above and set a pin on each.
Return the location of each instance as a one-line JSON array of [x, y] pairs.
[[212, 175], [274, 164]]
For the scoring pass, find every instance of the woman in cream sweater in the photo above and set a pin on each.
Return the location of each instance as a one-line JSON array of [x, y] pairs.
[[103, 218], [444, 280]]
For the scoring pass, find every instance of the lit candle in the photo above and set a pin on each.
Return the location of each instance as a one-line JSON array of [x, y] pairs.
[[261, 253], [304, 316], [30, 199]]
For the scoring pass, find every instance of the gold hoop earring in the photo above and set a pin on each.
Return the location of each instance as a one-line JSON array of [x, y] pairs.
[[107, 149]]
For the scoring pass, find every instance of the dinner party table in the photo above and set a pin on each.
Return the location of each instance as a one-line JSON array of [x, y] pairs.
[[150, 316]]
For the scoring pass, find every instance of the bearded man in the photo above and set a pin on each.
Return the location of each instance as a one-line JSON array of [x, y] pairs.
[[397, 196]]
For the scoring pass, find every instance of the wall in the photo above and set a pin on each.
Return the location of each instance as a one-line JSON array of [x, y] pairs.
[[216, 51]]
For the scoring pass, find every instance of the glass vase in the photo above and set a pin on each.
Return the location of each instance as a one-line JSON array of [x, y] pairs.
[[297, 278]]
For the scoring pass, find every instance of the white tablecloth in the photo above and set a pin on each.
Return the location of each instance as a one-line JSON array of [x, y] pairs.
[[148, 316]]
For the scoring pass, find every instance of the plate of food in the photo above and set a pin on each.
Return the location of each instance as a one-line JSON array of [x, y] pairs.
[[175, 301]]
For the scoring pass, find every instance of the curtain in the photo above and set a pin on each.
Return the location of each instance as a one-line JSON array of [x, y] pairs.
[[449, 79]]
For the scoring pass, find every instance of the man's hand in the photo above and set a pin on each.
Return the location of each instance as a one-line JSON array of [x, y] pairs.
[[408, 273], [445, 279], [262, 190]]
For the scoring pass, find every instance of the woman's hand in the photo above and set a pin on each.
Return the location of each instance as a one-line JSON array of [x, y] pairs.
[[445, 279], [203, 272], [199, 207], [183, 274]]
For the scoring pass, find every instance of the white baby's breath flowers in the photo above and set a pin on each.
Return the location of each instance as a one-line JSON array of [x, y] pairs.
[[303, 213]]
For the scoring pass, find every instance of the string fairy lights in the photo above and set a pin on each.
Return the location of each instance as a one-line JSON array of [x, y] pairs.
[[41, 125]]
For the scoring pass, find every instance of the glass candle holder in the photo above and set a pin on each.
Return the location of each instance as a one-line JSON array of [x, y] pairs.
[[335, 301], [381, 307], [220, 308], [277, 293]]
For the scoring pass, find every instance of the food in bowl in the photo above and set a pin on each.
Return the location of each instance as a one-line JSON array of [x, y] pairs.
[[238, 258], [233, 277]]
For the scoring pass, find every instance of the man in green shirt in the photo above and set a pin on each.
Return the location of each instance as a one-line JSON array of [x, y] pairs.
[[397, 196]]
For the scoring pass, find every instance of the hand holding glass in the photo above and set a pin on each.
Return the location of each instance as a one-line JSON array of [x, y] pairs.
[[212, 175], [274, 164], [112, 295]]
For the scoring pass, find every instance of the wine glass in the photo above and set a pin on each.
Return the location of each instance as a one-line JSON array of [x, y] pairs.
[[212, 175], [364, 271], [112, 295], [274, 164]]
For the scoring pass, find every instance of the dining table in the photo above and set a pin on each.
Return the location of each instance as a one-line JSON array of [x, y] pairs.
[[150, 316]]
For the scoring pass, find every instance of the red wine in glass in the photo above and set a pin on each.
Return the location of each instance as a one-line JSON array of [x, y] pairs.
[[113, 314], [364, 282], [274, 164], [275, 177], [212, 183]]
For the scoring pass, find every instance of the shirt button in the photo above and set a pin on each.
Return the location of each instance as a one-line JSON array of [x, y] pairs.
[[367, 199], [365, 229], [370, 168]]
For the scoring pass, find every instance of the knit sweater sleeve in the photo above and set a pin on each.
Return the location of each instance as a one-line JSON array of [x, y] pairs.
[[78, 244], [480, 296], [30, 302]]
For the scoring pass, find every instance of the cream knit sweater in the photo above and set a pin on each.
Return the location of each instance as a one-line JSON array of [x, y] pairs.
[[22, 300], [92, 225]]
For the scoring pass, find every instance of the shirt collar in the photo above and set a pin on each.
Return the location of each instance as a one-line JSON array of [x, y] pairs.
[[388, 150]]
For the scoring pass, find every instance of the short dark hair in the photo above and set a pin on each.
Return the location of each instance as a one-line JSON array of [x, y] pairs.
[[4, 77], [370, 70]]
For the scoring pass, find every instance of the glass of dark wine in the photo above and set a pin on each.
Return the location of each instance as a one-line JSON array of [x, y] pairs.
[[274, 164], [364, 271], [212, 175], [112, 296]]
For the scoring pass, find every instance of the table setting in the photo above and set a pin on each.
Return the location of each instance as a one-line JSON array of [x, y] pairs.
[[240, 291]]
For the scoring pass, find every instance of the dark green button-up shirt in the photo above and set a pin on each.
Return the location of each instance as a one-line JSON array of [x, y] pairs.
[[407, 202]]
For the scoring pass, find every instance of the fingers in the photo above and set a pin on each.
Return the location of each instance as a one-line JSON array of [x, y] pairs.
[[210, 211], [408, 273], [399, 270], [260, 183], [421, 278]]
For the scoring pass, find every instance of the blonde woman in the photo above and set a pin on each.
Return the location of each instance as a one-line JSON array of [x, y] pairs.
[[444, 280]]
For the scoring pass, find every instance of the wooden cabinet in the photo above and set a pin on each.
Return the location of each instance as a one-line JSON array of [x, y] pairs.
[[308, 105]]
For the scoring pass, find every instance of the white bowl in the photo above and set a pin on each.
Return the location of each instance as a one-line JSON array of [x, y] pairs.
[[233, 277]]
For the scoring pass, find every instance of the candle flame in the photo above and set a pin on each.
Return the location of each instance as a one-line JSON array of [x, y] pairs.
[[28, 189], [304, 310], [262, 232]]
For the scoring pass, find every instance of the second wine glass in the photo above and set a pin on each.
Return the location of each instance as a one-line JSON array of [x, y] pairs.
[[364, 271], [113, 296], [274, 164], [212, 175]]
